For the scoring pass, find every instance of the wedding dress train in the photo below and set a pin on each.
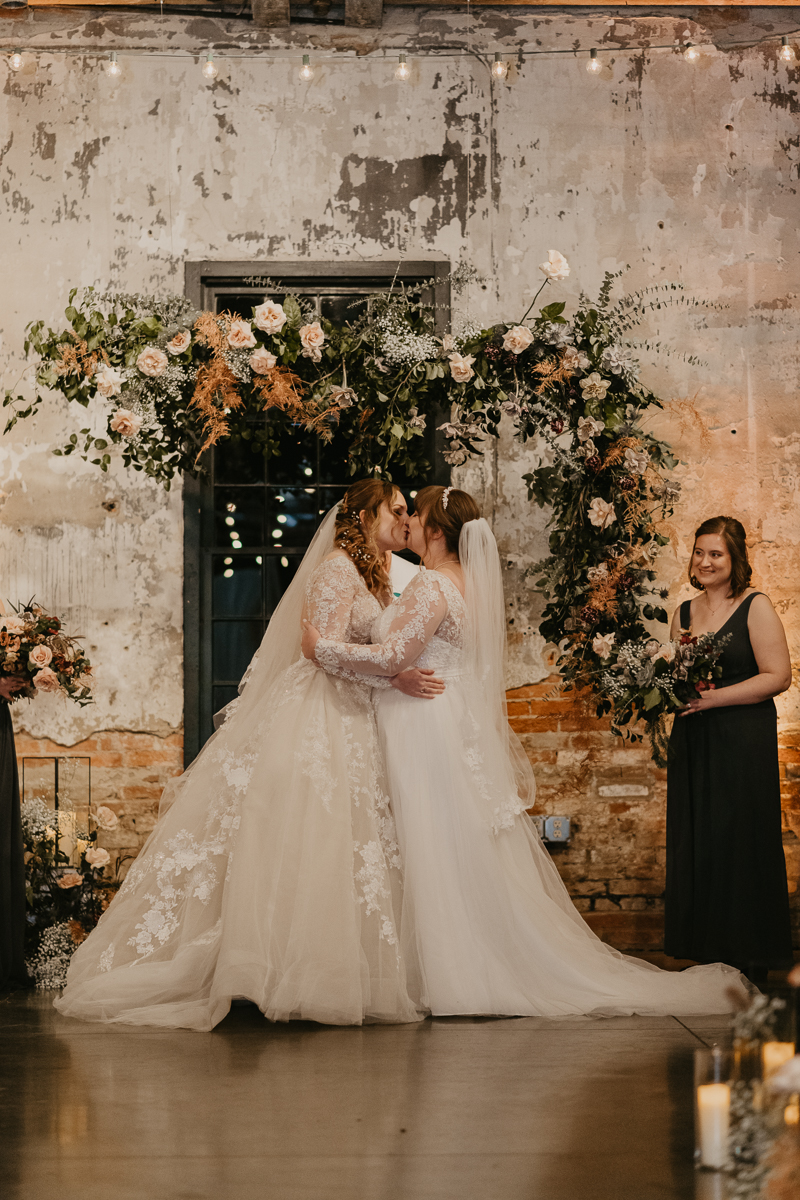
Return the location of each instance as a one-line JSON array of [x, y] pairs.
[[488, 926], [274, 872]]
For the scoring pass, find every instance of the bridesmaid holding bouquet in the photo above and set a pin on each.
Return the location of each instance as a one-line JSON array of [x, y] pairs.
[[726, 895]]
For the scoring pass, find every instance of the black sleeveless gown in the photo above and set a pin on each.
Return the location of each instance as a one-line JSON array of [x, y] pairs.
[[12, 867], [726, 895]]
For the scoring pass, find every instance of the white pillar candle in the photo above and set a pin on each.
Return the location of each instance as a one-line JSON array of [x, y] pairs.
[[774, 1055], [713, 1114]]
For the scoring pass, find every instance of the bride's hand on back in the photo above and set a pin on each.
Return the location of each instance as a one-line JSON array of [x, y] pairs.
[[309, 642], [418, 682]]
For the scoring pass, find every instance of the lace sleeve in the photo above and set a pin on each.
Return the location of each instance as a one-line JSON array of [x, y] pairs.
[[419, 613], [330, 595]]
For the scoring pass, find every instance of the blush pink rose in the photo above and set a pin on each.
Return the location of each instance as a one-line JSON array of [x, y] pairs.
[[46, 680], [70, 880], [461, 367], [241, 336], [40, 656], [269, 317], [517, 339], [261, 361], [126, 422], [12, 625], [106, 818], [152, 362], [311, 339], [108, 380], [97, 858], [180, 343]]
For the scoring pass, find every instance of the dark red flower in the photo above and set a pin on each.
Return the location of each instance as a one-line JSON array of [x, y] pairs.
[[557, 426], [594, 463], [628, 484]]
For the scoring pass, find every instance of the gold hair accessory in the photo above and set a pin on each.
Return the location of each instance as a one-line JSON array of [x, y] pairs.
[[446, 497]]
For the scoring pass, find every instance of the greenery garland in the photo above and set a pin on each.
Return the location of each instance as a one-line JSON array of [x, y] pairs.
[[172, 382]]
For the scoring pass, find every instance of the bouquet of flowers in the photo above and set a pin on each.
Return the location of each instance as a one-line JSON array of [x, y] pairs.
[[38, 656], [647, 680]]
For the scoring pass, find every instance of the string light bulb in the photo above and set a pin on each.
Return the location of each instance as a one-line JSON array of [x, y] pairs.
[[403, 71], [786, 52], [112, 67], [593, 66], [691, 53], [15, 60], [209, 70], [306, 71], [499, 67]]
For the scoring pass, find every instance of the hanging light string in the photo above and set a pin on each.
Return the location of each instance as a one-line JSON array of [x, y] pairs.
[[496, 65]]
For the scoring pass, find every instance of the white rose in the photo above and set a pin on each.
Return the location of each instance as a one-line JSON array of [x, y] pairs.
[[636, 461], [461, 367], [240, 335], [574, 359], [588, 428], [97, 858], [108, 380], [152, 361], [40, 656], [594, 387], [126, 422], [603, 643], [556, 266], [106, 818], [12, 625], [261, 361], [269, 317], [601, 513], [448, 344], [180, 343], [517, 339], [311, 339], [46, 680], [667, 652]]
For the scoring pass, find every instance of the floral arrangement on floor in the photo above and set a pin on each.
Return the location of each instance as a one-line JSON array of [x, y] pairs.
[[39, 657], [167, 383], [64, 901]]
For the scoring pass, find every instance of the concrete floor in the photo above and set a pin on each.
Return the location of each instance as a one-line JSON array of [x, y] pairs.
[[450, 1109]]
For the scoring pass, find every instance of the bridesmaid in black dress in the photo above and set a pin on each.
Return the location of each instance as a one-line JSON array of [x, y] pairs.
[[12, 868], [726, 895]]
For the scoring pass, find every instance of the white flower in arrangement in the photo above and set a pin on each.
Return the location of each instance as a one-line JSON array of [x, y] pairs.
[[556, 266], [594, 387], [589, 428], [636, 461], [517, 339], [269, 317], [40, 656], [603, 644], [601, 513], [575, 360], [261, 361], [70, 880], [152, 362], [558, 334], [108, 380], [667, 652], [312, 338], [597, 574], [416, 419], [620, 361], [97, 858], [449, 344], [105, 818], [126, 422], [12, 625], [461, 366], [587, 450], [240, 335], [180, 343], [46, 680]]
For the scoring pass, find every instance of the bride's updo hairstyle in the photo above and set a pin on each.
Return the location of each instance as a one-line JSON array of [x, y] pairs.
[[429, 506], [357, 539], [733, 535]]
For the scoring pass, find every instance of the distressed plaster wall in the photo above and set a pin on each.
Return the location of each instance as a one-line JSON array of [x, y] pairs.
[[684, 173]]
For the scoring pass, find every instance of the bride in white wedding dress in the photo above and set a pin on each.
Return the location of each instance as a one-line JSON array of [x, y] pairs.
[[273, 873], [487, 925]]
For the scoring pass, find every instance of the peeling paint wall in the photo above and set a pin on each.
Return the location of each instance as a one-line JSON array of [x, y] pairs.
[[684, 173]]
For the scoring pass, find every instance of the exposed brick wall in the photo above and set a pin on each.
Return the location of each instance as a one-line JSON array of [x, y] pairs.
[[129, 771], [616, 797]]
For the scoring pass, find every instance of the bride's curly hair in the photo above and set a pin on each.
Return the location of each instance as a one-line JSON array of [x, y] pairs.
[[448, 520], [357, 539]]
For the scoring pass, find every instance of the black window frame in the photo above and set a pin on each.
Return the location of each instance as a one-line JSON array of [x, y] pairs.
[[204, 280]]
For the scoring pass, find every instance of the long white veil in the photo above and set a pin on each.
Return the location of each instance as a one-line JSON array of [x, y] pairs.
[[280, 647], [486, 650]]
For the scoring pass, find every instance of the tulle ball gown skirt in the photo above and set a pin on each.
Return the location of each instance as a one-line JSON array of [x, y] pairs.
[[488, 927], [274, 876]]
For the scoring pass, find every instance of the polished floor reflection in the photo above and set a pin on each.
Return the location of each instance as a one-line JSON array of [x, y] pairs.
[[523, 1109]]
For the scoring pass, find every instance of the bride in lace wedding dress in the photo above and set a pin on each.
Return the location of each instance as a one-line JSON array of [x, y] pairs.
[[273, 873], [487, 925]]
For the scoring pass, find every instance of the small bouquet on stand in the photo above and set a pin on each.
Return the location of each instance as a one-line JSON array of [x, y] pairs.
[[38, 656], [647, 680]]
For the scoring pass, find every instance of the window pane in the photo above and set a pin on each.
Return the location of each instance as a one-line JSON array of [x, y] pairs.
[[343, 310], [297, 459], [233, 645], [223, 696], [291, 516], [239, 517], [237, 462], [333, 460], [327, 498], [237, 585], [280, 569]]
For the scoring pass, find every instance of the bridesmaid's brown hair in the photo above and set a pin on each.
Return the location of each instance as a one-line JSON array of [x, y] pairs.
[[733, 535]]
